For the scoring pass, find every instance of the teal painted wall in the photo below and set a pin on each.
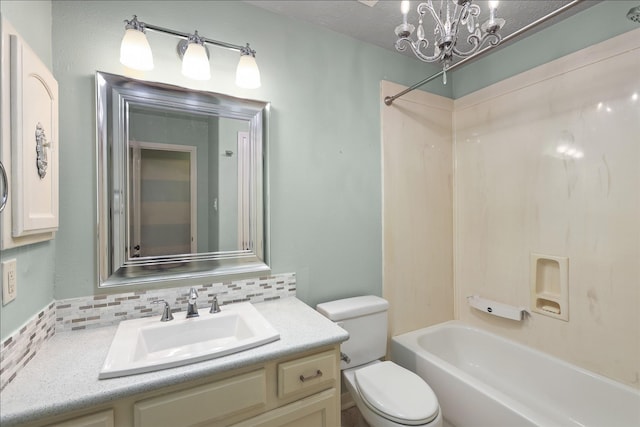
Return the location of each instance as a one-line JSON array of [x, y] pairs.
[[32, 20], [593, 25], [325, 181], [36, 263], [324, 136]]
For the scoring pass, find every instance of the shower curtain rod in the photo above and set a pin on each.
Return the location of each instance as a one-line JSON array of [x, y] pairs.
[[389, 99]]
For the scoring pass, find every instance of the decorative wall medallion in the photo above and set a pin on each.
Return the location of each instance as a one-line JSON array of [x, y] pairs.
[[41, 154]]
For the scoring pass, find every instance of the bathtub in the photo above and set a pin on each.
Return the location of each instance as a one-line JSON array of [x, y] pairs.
[[482, 379]]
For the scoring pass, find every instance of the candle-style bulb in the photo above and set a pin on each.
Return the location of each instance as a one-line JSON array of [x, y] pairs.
[[405, 5]]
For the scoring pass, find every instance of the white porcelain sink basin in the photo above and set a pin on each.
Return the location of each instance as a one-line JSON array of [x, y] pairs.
[[144, 345]]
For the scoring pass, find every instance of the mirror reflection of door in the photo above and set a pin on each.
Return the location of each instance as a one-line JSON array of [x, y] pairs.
[[163, 199], [244, 191]]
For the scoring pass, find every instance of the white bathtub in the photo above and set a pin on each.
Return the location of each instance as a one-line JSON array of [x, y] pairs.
[[484, 380]]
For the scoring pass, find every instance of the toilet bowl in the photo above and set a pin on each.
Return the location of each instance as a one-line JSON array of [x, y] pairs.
[[386, 394]]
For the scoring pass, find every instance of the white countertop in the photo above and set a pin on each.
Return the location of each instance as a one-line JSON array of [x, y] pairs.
[[63, 376]]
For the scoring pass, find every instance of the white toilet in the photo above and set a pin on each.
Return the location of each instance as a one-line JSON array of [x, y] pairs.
[[386, 394]]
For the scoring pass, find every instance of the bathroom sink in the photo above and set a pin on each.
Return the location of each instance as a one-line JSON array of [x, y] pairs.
[[145, 345]]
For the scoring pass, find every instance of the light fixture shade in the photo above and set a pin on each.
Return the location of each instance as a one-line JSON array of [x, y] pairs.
[[135, 51], [247, 73], [195, 63]]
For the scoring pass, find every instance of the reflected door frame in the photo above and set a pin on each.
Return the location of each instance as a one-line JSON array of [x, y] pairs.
[[136, 180], [244, 191]]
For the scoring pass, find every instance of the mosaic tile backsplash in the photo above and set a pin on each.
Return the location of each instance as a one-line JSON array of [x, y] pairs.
[[17, 350], [103, 310]]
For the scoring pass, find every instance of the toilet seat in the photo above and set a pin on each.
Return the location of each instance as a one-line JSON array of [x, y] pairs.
[[396, 394]]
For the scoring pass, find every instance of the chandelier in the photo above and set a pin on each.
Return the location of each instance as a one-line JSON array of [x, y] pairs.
[[451, 17]]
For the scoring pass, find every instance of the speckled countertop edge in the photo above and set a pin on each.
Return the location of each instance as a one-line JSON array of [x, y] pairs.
[[63, 376]]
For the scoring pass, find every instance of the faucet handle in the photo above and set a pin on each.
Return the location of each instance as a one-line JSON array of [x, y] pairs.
[[192, 307], [193, 295], [215, 308], [166, 313]]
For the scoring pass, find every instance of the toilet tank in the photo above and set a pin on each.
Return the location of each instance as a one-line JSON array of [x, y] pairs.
[[365, 318]]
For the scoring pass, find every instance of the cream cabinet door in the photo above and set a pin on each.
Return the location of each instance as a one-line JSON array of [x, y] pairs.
[[319, 410], [206, 404], [34, 143]]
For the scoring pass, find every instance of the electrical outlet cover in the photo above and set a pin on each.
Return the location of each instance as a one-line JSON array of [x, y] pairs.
[[9, 281]]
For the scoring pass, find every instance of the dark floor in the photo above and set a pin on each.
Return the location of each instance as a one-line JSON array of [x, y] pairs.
[[352, 418]]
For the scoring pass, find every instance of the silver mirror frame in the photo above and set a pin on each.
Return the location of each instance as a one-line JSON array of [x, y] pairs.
[[114, 94]]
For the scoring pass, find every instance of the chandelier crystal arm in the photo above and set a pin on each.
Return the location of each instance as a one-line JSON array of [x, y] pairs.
[[423, 8], [417, 47], [478, 43]]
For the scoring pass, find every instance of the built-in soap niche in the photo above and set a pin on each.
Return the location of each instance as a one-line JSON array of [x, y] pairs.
[[550, 285]]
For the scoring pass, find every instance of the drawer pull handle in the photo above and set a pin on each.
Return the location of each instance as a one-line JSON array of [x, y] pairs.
[[318, 374]]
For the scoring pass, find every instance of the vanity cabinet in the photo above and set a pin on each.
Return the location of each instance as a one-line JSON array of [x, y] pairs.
[[297, 390]]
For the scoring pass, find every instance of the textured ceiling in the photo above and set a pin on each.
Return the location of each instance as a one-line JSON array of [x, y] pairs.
[[375, 24]]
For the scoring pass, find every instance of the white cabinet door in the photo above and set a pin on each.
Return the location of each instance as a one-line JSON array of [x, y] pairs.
[[34, 143]]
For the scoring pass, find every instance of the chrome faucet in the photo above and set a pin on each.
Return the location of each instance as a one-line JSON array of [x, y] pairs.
[[215, 308], [192, 307], [166, 313]]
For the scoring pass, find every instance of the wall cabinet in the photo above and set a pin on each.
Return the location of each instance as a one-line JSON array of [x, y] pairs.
[[28, 142], [298, 390]]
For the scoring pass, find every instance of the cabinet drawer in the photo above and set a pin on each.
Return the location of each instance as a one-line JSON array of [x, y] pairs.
[[100, 419], [307, 375], [204, 403]]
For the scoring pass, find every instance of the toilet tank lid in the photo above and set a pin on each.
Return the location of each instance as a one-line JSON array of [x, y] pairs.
[[349, 308]]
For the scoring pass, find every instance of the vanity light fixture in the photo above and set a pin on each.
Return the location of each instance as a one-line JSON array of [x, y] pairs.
[[448, 18], [135, 53], [195, 58], [247, 73]]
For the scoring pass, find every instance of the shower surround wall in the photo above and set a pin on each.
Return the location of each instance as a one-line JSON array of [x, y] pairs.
[[548, 162], [417, 214], [545, 162]]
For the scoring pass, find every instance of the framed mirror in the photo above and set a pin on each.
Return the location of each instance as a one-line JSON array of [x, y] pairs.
[[181, 176]]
